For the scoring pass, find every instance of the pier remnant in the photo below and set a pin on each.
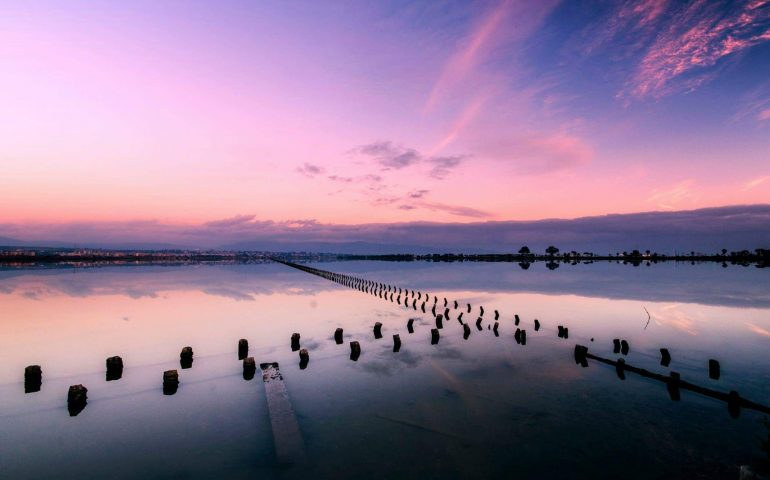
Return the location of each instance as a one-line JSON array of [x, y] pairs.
[[620, 367], [665, 357], [714, 370], [434, 336], [537, 324], [355, 350], [497, 315], [186, 358], [439, 321], [170, 382], [77, 398], [243, 348], [396, 342], [249, 368], [494, 329], [294, 342], [287, 437], [410, 325], [304, 358], [478, 323], [378, 330], [616, 345], [33, 378], [516, 320], [580, 355], [114, 368], [624, 347], [466, 331], [338, 336]]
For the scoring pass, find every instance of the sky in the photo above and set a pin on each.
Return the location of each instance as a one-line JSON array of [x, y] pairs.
[[356, 113]]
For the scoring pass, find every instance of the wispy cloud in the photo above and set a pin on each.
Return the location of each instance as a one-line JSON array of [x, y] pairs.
[[671, 198], [539, 153], [390, 156], [310, 170], [230, 222], [753, 183], [758, 330], [697, 36]]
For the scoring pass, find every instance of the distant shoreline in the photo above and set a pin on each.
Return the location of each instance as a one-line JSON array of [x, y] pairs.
[[27, 257]]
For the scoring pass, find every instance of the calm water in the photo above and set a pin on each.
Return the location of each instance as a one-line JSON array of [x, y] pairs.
[[461, 409]]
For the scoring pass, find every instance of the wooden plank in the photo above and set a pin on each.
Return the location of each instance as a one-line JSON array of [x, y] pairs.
[[289, 446]]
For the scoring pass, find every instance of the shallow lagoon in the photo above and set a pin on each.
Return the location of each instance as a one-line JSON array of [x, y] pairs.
[[463, 408]]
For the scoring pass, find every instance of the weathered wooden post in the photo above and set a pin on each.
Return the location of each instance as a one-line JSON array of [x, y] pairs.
[[355, 350], [497, 315], [466, 331], [734, 404], [77, 398], [517, 336], [580, 355], [114, 368], [624, 347], [714, 370], [478, 323], [516, 319], [672, 385], [422, 307], [186, 358], [537, 324], [434, 336], [460, 318], [560, 334], [304, 358], [481, 309], [396, 342], [294, 342], [433, 310], [243, 348], [494, 329], [410, 325], [469, 308], [338, 336], [33, 378], [170, 382], [616, 345], [523, 337], [446, 313], [665, 357], [456, 304], [620, 367], [439, 321], [249, 368], [378, 330]]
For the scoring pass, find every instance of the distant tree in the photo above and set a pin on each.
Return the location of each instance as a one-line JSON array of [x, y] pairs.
[[524, 250], [551, 250], [724, 252]]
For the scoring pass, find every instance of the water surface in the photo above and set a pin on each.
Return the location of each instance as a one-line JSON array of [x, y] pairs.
[[463, 408]]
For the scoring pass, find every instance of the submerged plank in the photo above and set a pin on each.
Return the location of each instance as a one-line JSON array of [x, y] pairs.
[[289, 447]]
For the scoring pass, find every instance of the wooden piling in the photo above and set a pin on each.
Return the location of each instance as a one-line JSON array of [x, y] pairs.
[[378, 330], [243, 348], [396, 342], [338, 336], [434, 336]]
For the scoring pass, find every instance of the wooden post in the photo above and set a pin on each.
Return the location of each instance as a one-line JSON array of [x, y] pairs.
[[77, 398], [355, 350], [434, 336], [396, 342], [378, 330], [33, 378], [338, 336], [243, 348], [186, 358], [114, 368], [294, 342]]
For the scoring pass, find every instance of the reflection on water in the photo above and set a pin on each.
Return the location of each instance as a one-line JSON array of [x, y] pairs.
[[472, 405]]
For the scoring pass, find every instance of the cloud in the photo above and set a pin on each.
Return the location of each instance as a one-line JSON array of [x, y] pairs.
[[390, 156], [310, 170], [670, 198], [458, 210], [708, 230], [417, 193], [756, 182], [696, 37], [539, 153], [230, 222], [758, 330]]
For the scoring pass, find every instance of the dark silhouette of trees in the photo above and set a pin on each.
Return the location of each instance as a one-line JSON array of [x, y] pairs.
[[551, 250], [524, 250]]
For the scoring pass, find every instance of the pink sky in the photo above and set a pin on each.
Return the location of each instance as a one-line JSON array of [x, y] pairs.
[[352, 114]]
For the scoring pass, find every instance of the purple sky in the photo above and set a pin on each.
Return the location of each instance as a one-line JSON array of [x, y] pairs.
[[181, 114]]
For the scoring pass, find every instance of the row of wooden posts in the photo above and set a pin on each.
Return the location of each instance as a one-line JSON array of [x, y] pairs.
[[620, 346]]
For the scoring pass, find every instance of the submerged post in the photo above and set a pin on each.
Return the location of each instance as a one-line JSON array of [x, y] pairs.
[[396, 342], [77, 398], [114, 368], [186, 357], [338, 336], [243, 348], [170, 382], [294, 342], [355, 350], [434, 336], [33, 378]]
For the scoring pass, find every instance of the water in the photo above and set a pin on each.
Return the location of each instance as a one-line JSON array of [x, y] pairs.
[[471, 408]]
